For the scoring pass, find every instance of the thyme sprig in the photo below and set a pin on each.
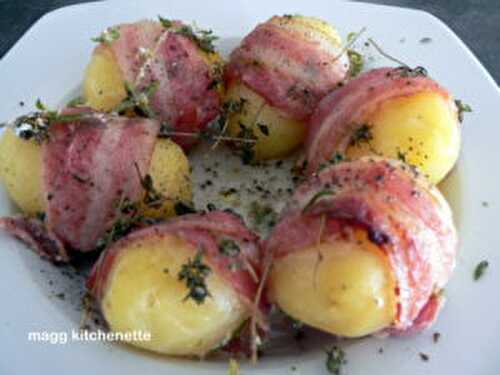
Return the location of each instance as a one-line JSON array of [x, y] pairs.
[[194, 274], [335, 359], [137, 100], [462, 108], [362, 134], [108, 36], [36, 125], [204, 39]]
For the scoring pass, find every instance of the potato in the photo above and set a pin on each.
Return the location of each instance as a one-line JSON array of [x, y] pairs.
[[284, 133], [103, 86], [422, 129], [171, 176], [143, 293], [343, 287], [21, 172]]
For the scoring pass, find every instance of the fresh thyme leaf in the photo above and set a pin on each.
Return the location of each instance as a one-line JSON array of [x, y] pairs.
[[263, 215], [138, 100], [229, 247], [75, 102], [316, 197], [335, 360], [204, 39], [356, 62], [462, 108], [194, 274], [480, 269], [40, 106], [107, 36], [264, 129], [152, 197], [363, 134]]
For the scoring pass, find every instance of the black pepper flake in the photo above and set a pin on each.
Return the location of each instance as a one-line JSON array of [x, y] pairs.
[[436, 336], [424, 357]]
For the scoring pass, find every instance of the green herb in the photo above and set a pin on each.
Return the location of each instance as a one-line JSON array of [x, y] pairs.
[[138, 100], [184, 208], [194, 274], [263, 215], [107, 36], [229, 247], [204, 39], [264, 129], [480, 269], [406, 71], [356, 61], [462, 108], [336, 158], [335, 360], [36, 125], [402, 156], [75, 102], [247, 148], [363, 134], [152, 197], [316, 197]]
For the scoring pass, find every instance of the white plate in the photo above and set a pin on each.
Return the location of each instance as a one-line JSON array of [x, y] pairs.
[[48, 62]]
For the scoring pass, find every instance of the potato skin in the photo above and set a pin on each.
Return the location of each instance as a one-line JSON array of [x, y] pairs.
[[171, 174], [348, 290], [21, 172], [143, 292], [421, 129], [284, 133], [103, 84]]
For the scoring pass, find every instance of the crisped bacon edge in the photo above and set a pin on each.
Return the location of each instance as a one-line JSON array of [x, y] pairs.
[[32, 232], [342, 111]]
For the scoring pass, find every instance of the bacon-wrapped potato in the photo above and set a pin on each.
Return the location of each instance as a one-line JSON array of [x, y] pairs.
[[391, 112], [182, 65], [279, 73], [80, 173], [189, 282], [368, 246]]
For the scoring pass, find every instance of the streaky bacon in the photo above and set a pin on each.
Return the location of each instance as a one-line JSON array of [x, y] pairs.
[[33, 233], [292, 69], [408, 219], [186, 98], [90, 165], [341, 112], [204, 232]]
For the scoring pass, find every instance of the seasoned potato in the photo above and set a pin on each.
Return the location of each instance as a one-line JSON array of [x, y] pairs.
[[144, 293], [284, 133], [171, 176], [21, 171], [342, 287], [421, 129], [103, 86]]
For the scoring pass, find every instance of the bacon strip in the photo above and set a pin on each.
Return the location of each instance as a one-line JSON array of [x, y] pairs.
[[340, 113], [204, 232], [408, 219], [186, 98], [33, 233], [291, 68], [89, 167]]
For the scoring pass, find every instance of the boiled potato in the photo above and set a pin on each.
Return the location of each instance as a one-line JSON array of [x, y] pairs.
[[343, 287], [171, 176], [284, 133], [21, 172], [421, 129], [103, 86], [143, 293]]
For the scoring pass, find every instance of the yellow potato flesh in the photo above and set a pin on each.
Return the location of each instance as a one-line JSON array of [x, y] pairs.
[[103, 86], [170, 171], [144, 294], [285, 133], [341, 287], [422, 127], [21, 172]]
